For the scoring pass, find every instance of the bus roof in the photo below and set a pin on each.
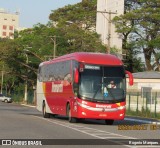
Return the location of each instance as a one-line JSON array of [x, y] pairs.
[[90, 58]]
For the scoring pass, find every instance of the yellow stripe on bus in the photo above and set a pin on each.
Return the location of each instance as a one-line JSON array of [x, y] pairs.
[[44, 87], [119, 104]]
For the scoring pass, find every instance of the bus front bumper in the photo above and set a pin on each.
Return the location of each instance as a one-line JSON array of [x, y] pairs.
[[101, 113]]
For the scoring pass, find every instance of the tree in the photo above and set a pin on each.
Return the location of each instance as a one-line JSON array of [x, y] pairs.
[[7, 53], [81, 13], [140, 28], [32, 46], [76, 25]]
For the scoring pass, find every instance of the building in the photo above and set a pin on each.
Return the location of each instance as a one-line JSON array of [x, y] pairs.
[[106, 11], [145, 93], [149, 80], [9, 22]]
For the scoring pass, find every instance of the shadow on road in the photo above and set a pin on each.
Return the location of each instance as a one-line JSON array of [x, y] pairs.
[[90, 121]]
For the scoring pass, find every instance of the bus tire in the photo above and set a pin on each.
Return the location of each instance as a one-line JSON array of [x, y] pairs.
[[45, 114], [109, 122], [70, 118]]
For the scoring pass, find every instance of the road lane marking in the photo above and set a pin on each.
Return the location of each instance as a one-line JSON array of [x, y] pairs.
[[93, 132], [82, 129]]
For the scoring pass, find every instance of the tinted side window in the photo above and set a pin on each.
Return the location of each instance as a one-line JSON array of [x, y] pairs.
[[56, 71]]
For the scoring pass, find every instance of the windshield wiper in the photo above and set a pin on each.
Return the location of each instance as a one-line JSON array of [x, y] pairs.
[[96, 92]]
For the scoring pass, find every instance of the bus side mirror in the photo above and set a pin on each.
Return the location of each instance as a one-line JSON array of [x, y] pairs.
[[76, 75], [130, 77]]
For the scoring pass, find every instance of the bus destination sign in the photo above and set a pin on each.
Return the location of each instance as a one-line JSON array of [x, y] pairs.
[[93, 67]]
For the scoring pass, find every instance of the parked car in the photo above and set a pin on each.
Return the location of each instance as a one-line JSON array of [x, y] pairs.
[[5, 99]]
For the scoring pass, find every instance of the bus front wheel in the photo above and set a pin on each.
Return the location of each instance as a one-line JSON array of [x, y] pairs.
[[109, 122], [45, 114], [70, 118]]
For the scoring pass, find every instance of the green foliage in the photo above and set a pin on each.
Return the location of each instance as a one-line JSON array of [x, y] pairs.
[[76, 28], [81, 13], [143, 113], [139, 26], [74, 32]]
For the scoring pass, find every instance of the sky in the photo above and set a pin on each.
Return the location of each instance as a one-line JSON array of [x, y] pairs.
[[34, 11]]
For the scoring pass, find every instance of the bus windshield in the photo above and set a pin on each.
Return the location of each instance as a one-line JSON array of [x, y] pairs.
[[102, 83]]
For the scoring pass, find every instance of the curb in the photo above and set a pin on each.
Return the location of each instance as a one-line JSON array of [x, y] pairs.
[[28, 105]]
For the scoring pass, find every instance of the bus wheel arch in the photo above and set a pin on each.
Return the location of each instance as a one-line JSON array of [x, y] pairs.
[[67, 105], [69, 115], [45, 114]]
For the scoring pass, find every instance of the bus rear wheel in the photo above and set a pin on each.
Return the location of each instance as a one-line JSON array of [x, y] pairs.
[[70, 118], [45, 114], [109, 122]]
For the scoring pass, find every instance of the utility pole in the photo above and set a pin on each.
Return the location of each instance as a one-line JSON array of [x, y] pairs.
[[26, 83], [2, 79], [109, 27], [26, 80], [54, 41]]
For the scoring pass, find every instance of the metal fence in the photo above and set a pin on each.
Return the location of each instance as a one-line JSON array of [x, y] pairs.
[[145, 104], [138, 103], [18, 97]]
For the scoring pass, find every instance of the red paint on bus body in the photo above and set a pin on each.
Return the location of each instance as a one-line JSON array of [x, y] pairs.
[[59, 93]]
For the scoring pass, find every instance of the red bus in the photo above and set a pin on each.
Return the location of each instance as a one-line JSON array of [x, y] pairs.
[[77, 86]]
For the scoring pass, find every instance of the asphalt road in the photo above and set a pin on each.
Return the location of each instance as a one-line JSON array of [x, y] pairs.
[[22, 122]]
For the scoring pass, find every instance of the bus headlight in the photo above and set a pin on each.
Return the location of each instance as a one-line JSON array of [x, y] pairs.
[[83, 113], [121, 107]]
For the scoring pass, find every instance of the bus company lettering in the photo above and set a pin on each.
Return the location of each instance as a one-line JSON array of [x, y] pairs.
[[94, 74], [57, 87], [104, 106]]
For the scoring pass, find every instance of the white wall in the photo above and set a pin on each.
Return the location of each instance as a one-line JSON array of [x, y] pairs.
[[139, 83], [102, 21]]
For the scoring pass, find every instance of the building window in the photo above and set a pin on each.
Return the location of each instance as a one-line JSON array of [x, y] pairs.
[[10, 27], [4, 33], [11, 34], [5, 19], [13, 19], [4, 27]]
